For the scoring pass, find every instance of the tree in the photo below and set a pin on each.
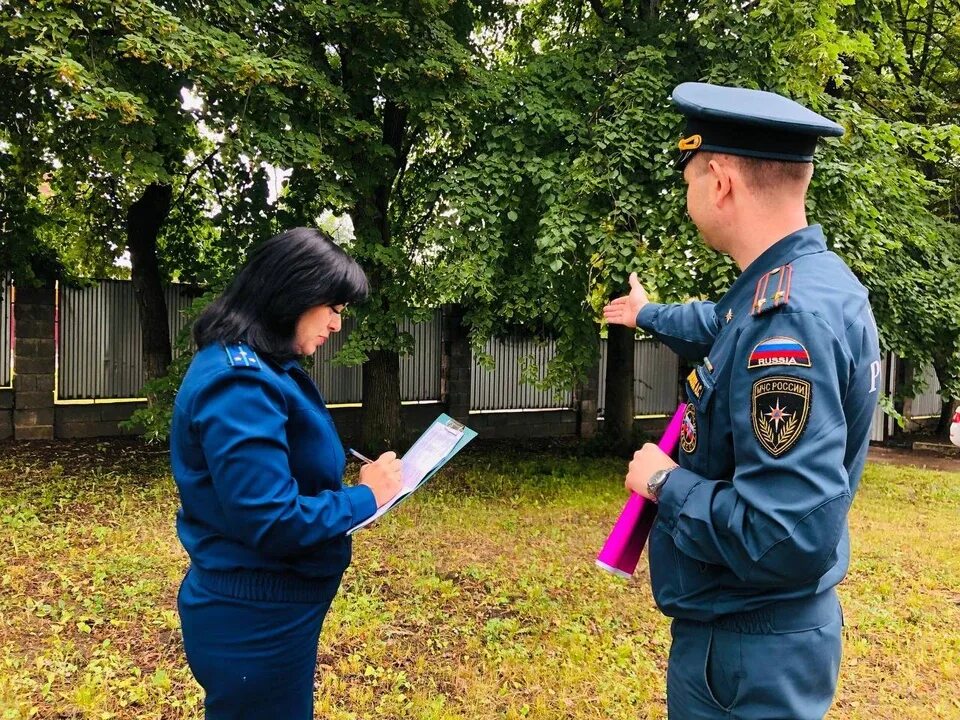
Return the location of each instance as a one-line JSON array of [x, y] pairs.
[[94, 110], [911, 84], [572, 187], [385, 120]]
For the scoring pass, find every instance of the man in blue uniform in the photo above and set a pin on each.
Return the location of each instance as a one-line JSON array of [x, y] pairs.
[[751, 536]]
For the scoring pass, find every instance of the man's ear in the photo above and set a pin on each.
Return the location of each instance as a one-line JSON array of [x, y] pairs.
[[721, 181]]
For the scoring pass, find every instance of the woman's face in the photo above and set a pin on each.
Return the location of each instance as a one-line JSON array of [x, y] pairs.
[[315, 326]]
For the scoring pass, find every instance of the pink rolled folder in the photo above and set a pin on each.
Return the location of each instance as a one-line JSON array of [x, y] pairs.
[[621, 551]]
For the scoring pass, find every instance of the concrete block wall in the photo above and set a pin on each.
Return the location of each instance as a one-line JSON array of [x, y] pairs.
[[34, 363], [99, 419], [588, 403], [413, 418], [527, 425], [6, 414], [102, 419], [456, 365]]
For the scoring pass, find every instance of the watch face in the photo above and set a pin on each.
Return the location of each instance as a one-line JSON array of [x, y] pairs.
[[656, 482]]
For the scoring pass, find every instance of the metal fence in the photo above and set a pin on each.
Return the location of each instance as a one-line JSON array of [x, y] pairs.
[[655, 378], [655, 382], [501, 388], [6, 333], [419, 370], [339, 384], [927, 403], [100, 353], [882, 426], [99, 357]]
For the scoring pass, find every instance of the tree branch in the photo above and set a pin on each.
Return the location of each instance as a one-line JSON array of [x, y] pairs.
[[925, 56], [905, 34], [600, 11]]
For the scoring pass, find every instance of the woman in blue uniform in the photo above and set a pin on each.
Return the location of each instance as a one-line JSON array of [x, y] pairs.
[[259, 466]]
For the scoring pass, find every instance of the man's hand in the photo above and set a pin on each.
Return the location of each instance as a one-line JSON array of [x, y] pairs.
[[623, 310], [646, 461]]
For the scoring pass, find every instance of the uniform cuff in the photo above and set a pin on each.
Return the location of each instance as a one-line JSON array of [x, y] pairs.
[[363, 502], [680, 483], [648, 315]]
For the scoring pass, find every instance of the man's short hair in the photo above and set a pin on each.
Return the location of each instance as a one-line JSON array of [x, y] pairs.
[[763, 175]]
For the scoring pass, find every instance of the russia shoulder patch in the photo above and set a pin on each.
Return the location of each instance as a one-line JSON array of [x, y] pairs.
[[241, 355], [780, 350]]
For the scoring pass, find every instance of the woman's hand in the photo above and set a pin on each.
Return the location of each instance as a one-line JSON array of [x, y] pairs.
[[383, 477]]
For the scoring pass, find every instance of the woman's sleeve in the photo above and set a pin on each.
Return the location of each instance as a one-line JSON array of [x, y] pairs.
[[241, 421]]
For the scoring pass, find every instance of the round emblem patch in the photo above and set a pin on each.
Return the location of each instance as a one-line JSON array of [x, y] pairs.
[[688, 431]]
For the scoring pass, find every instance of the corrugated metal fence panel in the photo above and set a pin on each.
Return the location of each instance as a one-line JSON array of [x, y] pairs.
[[338, 384], [100, 353], [100, 347], [501, 389], [179, 299], [929, 402], [6, 336], [878, 431], [420, 371], [655, 385], [655, 378]]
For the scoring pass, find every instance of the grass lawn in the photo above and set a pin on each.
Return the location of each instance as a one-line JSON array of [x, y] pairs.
[[477, 599]]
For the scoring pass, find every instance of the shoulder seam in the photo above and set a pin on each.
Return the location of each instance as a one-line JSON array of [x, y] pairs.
[[866, 301]]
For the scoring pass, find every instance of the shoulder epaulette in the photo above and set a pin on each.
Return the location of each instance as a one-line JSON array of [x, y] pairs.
[[773, 290], [241, 355]]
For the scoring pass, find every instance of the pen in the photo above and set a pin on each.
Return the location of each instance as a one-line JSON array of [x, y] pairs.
[[357, 455]]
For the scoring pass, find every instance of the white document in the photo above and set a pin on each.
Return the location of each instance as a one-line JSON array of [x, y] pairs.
[[427, 452]]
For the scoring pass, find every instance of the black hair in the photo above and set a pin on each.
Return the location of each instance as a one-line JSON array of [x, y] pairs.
[[283, 278]]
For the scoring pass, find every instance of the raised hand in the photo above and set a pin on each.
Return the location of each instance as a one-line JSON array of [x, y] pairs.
[[623, 310]]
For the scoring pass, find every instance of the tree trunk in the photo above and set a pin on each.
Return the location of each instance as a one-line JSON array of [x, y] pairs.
[[381, 373], [586, 395], [371, 221], [144, 220], [901, 403], [618, 400], [948, 405], [381, 401]]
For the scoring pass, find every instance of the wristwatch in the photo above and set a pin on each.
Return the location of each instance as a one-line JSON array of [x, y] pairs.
[[656, 481]]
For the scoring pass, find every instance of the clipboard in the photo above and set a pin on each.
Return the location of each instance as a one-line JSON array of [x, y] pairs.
[[444, 430]]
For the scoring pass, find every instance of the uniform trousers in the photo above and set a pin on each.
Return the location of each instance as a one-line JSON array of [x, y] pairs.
[[255, 658], [777, 663]]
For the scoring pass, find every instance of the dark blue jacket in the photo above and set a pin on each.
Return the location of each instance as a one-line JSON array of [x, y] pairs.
[[259, 464], [775, 434]]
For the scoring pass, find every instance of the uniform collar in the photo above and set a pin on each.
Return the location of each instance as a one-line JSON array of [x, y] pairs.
[[805, 241]]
